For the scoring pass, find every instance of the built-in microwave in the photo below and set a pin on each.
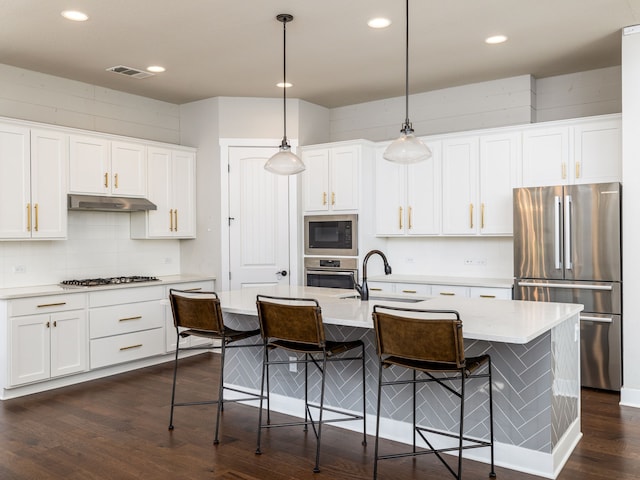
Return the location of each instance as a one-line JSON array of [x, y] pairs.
[[331, 235]]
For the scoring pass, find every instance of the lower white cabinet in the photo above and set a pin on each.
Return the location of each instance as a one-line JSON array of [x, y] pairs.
[[125, 325], [47, 338], [436, 289], [449, 290], [491, 292]]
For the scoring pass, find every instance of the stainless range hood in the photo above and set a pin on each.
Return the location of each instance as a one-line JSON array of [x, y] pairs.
[[109, 204]]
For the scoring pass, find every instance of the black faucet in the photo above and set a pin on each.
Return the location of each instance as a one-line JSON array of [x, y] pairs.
[[363, 289]]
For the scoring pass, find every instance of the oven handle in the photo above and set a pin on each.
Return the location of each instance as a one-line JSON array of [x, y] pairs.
[[350, 273]]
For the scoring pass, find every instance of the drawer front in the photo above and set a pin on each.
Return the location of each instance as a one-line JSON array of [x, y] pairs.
[[119, 319], [46, 304], [413, 289], [122, 295], [490, 292], [204, 286], [376, 288], [449, 291], [126, 348]]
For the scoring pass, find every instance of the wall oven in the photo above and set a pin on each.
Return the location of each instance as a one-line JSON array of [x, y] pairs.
[[334, 235], [331, 272]]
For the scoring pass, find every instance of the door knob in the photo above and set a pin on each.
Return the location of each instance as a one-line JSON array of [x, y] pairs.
[[282, 273]]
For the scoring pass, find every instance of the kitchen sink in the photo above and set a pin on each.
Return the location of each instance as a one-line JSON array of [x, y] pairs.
[[388, 299]]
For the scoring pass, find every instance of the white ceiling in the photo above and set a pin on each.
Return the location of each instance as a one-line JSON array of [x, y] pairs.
[[234, 48]]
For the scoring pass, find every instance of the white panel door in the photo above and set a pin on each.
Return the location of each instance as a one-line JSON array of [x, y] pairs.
[[258, 220], [128, 169], [89, 165], [545, 156], [424, 206], [183, 192], [68, 343], [29, 344], [460, 186], [315, 180], [597, 152], [345, 178], [159, 180], [390, 196]]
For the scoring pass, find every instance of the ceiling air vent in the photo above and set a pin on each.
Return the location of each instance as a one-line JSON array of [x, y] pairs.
[[129, 72]]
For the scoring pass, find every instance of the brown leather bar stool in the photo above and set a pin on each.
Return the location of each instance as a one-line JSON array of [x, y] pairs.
[[429, 342], [198, 314], [295, 325]]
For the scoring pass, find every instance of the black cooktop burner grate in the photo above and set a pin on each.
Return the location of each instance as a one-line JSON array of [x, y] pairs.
[[96, 282]]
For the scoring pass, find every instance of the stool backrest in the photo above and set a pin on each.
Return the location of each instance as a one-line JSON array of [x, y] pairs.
[[423, 335], [196, 310], [291, 319]]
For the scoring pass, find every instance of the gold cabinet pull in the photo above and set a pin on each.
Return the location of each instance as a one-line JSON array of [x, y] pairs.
[[175, 223], [410, 212], [482, 215], [324, 198], [449, 294], [375, 289], [171, 220], [400, 217], [36, 209], [130, 318], [333, 198], [46, 305], [130, 347], [577, 169], [471, 215], [115, 180], [106, 179], [564, 170], [409, 291], [487, 296], [28, 217]]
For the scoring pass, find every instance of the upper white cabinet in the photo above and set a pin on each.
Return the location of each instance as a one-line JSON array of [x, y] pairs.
[[407, 197], [572, 152], [99, 166], [171, 186], [32, 183], [331, 180], [478, 177]]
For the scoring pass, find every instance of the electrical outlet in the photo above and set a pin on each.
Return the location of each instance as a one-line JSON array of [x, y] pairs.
[[410, 260], [475, 261], [19, 269], [167, 260], [293, 367]]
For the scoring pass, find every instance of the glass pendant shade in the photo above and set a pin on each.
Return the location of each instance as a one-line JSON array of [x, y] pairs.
[[285, 162], [407, 149]]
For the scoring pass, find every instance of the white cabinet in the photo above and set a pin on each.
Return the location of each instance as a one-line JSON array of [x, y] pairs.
[[99, 166], [32, 183], [407, 197], [449, 290], [47, 338], [417, 289], [331, 179], [597, 151], [572, 152], [380, 288], [478, 177], [170, 329], [125, 325], [171, 187], [491, 292]]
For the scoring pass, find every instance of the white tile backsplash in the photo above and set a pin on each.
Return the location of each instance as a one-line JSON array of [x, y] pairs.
[[97, 245]]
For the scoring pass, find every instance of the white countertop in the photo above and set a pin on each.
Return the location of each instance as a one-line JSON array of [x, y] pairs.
[[509, 321], [442, 280], [55, 289]]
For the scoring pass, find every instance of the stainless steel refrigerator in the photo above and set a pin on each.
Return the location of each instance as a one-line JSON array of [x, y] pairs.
[[567, 248]]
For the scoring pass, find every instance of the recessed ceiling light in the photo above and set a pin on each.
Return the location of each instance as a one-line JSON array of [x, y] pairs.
[[379, 22], [496, 39], [75, 16], [156, 69], [284, 85]]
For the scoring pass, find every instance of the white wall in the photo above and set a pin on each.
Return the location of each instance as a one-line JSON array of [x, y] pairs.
[[98, 243], [630, 394]]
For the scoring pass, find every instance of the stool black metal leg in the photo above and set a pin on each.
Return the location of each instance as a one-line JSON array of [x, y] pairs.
[[306, 391], [375, 461], [316, 469], [175, 373], [364, 401], [265, 360], [462, 398], [413, 402], [492, 474], [220, 391]]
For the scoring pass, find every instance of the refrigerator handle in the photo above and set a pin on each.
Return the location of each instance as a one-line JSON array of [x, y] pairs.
[[568, 254], [557, 240]]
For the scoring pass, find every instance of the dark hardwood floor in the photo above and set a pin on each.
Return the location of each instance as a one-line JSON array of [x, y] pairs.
[[116, 428]]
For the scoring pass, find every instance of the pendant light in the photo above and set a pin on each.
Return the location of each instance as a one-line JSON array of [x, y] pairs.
[[285, 162], [407, 148]]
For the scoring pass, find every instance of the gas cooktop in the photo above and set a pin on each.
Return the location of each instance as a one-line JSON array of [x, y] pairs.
[[98, 282]]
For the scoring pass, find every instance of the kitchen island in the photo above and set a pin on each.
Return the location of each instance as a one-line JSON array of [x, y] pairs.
[[535, 352]]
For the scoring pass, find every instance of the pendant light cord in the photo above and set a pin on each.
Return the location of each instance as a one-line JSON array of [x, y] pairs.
[[284, 79], [406, 72]]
